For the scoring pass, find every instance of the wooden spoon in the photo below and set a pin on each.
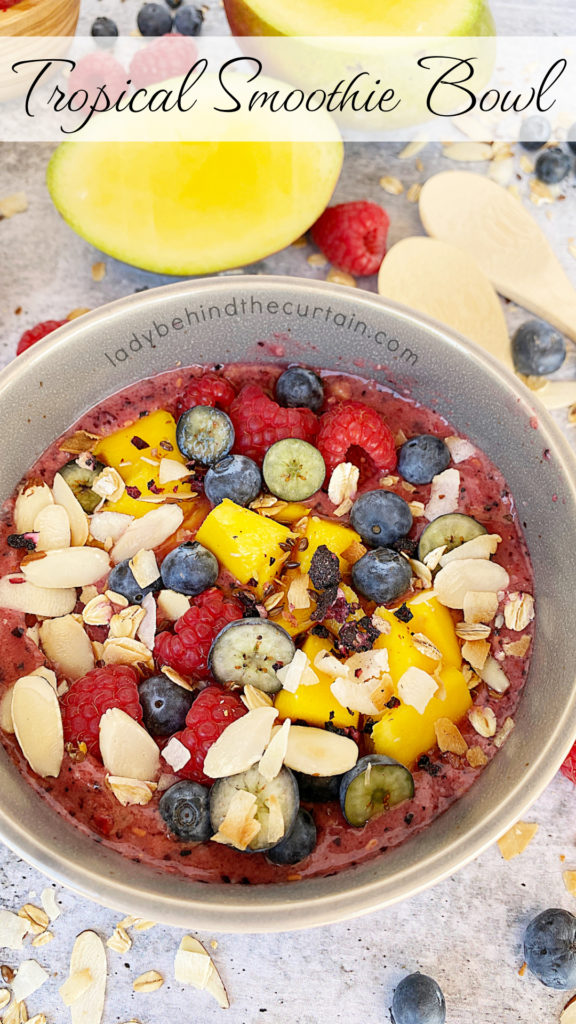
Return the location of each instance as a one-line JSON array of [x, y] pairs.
[[445, 283], [485, 220]]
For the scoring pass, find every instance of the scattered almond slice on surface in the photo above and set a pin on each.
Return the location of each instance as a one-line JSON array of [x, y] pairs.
[[30, 976], [13, 929], [516, 839], [193, 965], [76, 986], [67, 567], [475, 652], [38, 724], [5, 997], [149, 532], [19, 595], [53, 528], [468, 152], [89, 953], [127, 749], [444, 494], [150, 981], [16, 1014], [273, 757], [241, 744], [67, 645], [63, 495], [29, 503]]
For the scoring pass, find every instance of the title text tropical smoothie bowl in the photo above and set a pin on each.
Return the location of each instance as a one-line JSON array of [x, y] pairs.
[[264, 324]]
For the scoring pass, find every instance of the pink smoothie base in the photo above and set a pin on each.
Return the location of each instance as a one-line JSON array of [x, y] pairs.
[[139, 833]]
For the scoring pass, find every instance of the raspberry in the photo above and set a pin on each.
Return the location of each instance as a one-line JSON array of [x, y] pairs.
[[353, 236], [259, 422], [187, 649], [6, 4], [95, 70], [211, 712], [38, 332], [88, 698], [168, 56], [350, 425], [568, 768], [209, 389]]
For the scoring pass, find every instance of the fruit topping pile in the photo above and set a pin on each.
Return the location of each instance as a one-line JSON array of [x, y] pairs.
[[256, 598]]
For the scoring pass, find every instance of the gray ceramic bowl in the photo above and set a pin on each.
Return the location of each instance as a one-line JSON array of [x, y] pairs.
[[226, 319]]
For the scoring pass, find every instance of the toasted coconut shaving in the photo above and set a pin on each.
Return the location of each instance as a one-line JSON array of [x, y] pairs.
[[253, 698], [503, 733], [432, 559], [194, 966], [476, 652], [448, 737], [109, 484], [476, 757], [460, 449], [298, 596], [144, 568], [354, 552], [518, 611], [479, 606], [176, 754], [36, 918], [13, 928], [175, 676], [79, 442], [517, 648], [171, 605], [515, 841], [131, 791], [416, 688], [239, 827]]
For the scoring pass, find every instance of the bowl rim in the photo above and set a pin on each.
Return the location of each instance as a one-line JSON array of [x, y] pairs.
[[275, 908]]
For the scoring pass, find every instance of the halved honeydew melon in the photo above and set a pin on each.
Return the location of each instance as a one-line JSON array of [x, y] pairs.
[[195, 207]]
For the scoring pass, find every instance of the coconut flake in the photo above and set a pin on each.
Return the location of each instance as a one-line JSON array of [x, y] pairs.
[[298, 596], [30, 976], [239, 826], [273, 757], [109, 484], [479, 606], [130, 791], [38, 724], [460, 449], [357, 696], [109, 525], [297, 672], [444, 494], [172, 605], [144, 568], [127, 749], [176, 754], [12, 930], [194, 966], [241, 744], [416, 688]]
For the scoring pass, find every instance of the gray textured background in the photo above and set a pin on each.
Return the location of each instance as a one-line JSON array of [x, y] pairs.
[[467, 931]]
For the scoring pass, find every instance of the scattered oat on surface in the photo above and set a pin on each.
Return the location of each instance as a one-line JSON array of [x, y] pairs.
[[150, 981], [515, 841], [393, 186], [37, 918], [317, 259], [119, 941], [43, 939], [413, 193], [13, 204], [341, 277], [98, 271]]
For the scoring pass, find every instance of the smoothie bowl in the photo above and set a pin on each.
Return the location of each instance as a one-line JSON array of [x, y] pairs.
[[275, 640]]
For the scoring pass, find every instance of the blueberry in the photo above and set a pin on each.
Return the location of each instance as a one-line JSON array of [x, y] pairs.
[[418, 999], [537, 349], [534, 132], [188, 21], [154, 20], [189, 569], [422, 457], [318, 788], [204, 434], [185, 808], [173, 4], [104, 27], [381, 575], [571, 137], [381, 517], [552, 166], [298, 844], [300, 388], [165, 705], [550, 948], [235, 477], [122, 581]]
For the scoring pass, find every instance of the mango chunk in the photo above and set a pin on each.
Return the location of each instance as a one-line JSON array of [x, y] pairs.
[[135, 451], [431, 619], [246, 544], [315, 704], [405, 734], [335, 536]]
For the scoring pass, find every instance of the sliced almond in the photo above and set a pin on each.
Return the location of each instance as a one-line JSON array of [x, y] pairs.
[[318, 752], [38, 724], [176, 754], [175, 677], [109, 525], [518, 611], [475, 652], [63, 495], [53, 528], [416, 688], [421, 572], [483, 721], [468, 152], [150, 981], [65, 643], [479, 547], [6, 721], [241, 744], [273, 757], [432, 559], [148, 532], [49, 904], [190, 968], [30, 976], [359, 696], [126, 748], [76, 986], [458, 578], [89, 953], [449, 738], [29, 503], [444, 494], [67, 567], [494, 676], [144, 568], [130, 792], [297, 672], [172, 605], [253, 697], [20, 596], [171, 470], [479, 606]]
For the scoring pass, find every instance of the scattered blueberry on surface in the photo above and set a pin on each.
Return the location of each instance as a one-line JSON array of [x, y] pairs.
[[185, 808], [537, 348], [188, 21], [418, 999], [571, 137], [550, 948], [235, 477], [165, 705], [154, 20], [421, 458], [380, 517], [381, 575], [189, 569], [552, 166], [104, 27], [534, 132], [204, 434], [122, 581], [298, 844], [299, 388]]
